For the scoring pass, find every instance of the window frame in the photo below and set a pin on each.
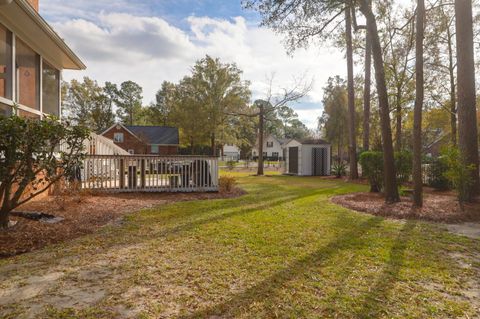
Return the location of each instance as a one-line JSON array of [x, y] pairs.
[[12, 100], [157, 148], [58, 85], [9, 63], [116, 140], [269, 144]]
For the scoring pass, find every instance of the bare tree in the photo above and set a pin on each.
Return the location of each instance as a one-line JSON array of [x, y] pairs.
[[273, 102]]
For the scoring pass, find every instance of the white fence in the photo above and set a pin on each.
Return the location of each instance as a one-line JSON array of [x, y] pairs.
[[146, 173]]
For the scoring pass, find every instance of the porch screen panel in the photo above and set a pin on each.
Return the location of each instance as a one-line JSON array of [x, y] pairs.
[[28, 75], [50, 90], [5, 63]]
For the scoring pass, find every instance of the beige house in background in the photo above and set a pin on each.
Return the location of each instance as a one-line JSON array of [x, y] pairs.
[[32, 57]]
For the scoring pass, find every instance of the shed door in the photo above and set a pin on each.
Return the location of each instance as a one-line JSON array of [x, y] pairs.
[[293, 160], [319, 159]]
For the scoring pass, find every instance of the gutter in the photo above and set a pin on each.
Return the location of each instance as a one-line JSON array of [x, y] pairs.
[[48, 30]]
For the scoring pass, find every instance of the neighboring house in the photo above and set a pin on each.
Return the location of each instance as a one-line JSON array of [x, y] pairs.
[[230, 152], [32, 57], [434, 148], [273, 148], [155, 140]]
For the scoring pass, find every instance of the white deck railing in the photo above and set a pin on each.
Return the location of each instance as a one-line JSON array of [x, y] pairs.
[[146, 173], [101, 145], [97, 144]]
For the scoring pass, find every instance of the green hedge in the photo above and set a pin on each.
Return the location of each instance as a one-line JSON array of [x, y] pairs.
[[372, 168]]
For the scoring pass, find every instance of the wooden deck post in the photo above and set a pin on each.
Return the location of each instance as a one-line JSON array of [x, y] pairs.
[[142, 174], [122, 173]]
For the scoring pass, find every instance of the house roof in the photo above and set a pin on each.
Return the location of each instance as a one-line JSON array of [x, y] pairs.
[[163, 135], [284, 140], [21, 18], [313, 142]]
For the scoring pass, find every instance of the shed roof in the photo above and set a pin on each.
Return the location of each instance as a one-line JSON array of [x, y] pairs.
[[163, 135]]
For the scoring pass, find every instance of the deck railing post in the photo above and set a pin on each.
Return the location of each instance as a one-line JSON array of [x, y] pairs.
[[142, 174], [122, 173]]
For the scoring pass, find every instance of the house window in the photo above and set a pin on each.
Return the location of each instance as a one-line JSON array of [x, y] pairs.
[[50, 90], [28, 75], [269, 144], [118, 137], [131, 152], [5, 63], [264, 154], [275, 154], [154, 149]]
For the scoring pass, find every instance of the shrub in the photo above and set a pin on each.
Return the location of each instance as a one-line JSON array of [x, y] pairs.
[[339, 169], [231, 165], [372, 169], [459, 174], [31, 160], [403, 166], [227, 183], [436, 174]]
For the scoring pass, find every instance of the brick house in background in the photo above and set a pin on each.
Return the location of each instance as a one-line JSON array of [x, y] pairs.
[[154, 140]]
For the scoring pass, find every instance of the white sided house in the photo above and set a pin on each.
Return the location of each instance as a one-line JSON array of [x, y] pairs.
[[308, 158], [273, 148], [230, 152]]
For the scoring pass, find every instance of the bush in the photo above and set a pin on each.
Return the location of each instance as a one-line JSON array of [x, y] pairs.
[[339, 169], [436, 174], [372, 169], [403, 166], [31, 160], [231, 165], [227, 183], [459, 174]]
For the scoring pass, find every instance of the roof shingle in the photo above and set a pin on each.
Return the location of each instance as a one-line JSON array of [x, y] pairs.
[[163, 135]]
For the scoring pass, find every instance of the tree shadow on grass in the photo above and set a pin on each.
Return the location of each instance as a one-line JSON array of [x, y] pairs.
[[214, 217], [375, 300], [266, 288]]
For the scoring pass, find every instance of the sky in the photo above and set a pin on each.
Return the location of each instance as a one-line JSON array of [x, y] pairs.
[[150, 41]]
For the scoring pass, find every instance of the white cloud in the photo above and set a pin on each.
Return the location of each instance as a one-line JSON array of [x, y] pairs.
[[148, 50]]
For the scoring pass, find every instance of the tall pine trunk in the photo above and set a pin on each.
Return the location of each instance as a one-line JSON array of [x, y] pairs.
[[398, 119], [352, 139], [467, 111], [417, 111], [367, 92], [453, 97], [390, 178]]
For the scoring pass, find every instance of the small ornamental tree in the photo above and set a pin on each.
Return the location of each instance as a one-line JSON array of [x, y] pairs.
[[31, 159]]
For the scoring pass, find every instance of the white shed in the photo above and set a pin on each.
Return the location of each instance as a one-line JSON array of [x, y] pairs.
[[308, 158]]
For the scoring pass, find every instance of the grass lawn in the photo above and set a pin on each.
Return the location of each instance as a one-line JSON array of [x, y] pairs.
[[283, 250]]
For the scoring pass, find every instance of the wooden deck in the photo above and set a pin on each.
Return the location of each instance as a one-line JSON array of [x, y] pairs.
[[146, 173]]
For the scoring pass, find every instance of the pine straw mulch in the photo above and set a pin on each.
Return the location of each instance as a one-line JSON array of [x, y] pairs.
[[83, 214], [437, 207]]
